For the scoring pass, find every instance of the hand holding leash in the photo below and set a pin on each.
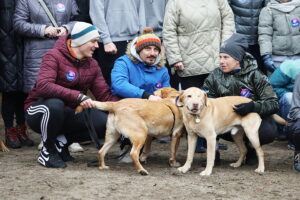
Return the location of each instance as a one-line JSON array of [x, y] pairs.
[[85, 101]]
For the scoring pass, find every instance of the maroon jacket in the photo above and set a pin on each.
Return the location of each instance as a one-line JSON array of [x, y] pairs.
[[65, 77]]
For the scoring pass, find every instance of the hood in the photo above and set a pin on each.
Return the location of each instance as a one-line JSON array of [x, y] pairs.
[[61, 45], [284, 7], [250, 64], [132, 54]]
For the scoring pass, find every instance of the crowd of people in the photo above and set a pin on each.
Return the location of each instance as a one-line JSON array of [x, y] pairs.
[[54, 52]]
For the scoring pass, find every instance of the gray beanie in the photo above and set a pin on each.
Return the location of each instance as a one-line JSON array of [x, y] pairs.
[[235, 46]]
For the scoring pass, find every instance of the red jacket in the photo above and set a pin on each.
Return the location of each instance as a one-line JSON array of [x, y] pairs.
[[63, 76]]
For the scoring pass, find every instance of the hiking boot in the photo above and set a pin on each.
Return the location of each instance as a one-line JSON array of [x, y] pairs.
[[51, 160], [23, 136], [297, 161], [11, 138], [63, 151], [251, 157]]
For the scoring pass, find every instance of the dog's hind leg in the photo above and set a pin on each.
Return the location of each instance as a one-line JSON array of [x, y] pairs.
[[238, 139], [137, 143], [192, 140], [146, 149]]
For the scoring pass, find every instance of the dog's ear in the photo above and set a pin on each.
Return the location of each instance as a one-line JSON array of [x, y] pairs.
[[205, 99], [179, 100]]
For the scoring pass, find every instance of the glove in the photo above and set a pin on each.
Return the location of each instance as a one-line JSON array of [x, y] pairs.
[[244, 108], [268, 63], [81, 97]]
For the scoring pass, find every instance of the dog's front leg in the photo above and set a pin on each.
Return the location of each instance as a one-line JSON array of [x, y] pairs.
[[192, 140], [174, 147], [211, 153]]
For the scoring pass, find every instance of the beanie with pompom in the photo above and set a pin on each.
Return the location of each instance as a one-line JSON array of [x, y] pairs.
[[148, 38]]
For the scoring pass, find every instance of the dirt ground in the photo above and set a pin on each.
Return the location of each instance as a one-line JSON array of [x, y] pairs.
[[21, 177]]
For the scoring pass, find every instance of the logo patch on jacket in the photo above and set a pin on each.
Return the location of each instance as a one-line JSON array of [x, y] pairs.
[[295, 22], [70, 76], [158, 85], [245, 93], [60, 7]]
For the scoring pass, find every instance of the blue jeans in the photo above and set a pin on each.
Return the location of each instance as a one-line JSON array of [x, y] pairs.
[[285, 104]]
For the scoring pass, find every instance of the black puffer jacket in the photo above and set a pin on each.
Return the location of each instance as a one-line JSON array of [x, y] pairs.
[[246, 14], [11, 50], [250, 79]]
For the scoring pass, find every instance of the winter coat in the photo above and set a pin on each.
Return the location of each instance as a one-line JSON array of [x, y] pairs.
[[65, 77], [283, 78], [294, 113], [11, 50], [117, 20], [246, 14], [131, 78], [193, 32], [30, 21], [279, 28], [248, 81]]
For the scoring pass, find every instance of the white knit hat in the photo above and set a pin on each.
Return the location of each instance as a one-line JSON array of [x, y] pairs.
[[83, 32]]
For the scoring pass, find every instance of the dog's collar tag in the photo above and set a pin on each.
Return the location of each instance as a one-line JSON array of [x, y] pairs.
[[197, 120]]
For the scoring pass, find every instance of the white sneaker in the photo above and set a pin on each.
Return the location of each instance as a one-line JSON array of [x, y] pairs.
[[125, 158], [75, 147], [40, 146]]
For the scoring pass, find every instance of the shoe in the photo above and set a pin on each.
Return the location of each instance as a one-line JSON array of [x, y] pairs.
[[75, 147], [23, 136], [291, 146], [51, 160], [124, 156], [297, 161], [200, 145], [251, 157], [63, 151], [11, 138], [164, 140]]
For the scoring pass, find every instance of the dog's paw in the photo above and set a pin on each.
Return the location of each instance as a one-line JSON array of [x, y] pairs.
[[183, 169], [104, 167], [174, 163], [143, 172], [260, 171], [205, 173], [235, 165]]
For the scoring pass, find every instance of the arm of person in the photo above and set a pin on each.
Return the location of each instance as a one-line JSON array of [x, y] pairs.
[[265, 31], [69, 26], [22, 22], [171, 22], [279, 82], [227, 20], [120, 82], [209, 86], [267, 101]]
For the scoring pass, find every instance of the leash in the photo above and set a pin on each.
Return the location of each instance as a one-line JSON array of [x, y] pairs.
[[89, 124]]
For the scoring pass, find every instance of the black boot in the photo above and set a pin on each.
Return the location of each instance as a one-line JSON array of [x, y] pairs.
[[63, 151], [297, 161]]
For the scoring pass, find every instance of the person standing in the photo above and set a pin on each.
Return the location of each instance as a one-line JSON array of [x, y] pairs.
[[11, 79], [118, 23]]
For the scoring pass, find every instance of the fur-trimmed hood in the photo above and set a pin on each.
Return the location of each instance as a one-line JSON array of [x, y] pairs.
[[132, 54]]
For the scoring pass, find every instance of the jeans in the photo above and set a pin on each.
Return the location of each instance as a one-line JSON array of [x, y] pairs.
[[285, 104]]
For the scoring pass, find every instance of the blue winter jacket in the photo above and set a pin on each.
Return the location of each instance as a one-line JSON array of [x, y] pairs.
[[131, 78]]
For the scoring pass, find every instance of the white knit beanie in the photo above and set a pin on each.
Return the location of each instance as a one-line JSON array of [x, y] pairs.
[[83, 32]]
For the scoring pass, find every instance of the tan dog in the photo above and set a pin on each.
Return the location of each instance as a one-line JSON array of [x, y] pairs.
[[3, 146], [137, 119], [207, 117]]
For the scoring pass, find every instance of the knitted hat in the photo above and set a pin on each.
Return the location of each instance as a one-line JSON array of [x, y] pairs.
[[148, 38], [82, 33], [235, 46]]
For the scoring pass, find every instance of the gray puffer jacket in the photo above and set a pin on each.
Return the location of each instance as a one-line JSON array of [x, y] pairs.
[[279, 28], [246, 14], [30, 20]]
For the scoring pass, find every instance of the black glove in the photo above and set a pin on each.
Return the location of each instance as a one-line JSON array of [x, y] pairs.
[[268, 63], [244, 108], [82, 98]]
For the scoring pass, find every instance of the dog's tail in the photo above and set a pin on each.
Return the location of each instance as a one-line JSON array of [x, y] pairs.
[[279, 120], [107, 106]]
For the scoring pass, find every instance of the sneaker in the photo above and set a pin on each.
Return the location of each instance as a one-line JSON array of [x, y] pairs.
[[251, 157], [23, 136], [75, 147], [164, 140], [63, 151], [296, 165], [124, 156], [51, 160], [11, 138]]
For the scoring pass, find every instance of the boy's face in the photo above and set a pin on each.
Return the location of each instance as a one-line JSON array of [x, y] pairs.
[[228, 63]]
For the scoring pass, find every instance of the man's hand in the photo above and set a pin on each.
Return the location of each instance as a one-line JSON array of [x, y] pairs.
[[179, 66], [51, 32], [268, 63], [62, 31], [89, 103], [110, 48], [154, 98], [244, 108]]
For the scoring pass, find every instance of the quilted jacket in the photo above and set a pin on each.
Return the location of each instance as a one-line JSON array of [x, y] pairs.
[[193, 32]]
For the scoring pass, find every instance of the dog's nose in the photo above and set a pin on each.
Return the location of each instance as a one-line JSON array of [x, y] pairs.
[[195, 105]]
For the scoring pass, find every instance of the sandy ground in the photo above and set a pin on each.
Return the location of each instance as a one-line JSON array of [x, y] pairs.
[[21, 177]]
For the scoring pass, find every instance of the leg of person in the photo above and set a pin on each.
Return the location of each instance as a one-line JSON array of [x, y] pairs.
[[294, 131], [47, 117], [20, 119], [8, 107], [284, 107]]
